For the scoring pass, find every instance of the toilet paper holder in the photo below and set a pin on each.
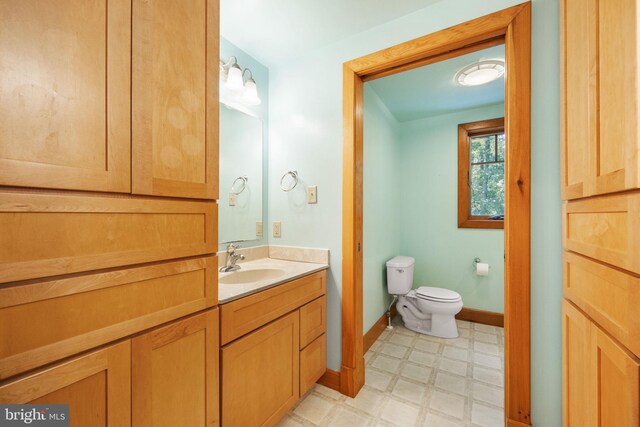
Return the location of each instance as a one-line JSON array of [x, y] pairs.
[[475, 261]]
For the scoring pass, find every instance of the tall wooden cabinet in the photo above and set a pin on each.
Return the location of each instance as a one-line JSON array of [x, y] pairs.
[[601, 214], [108, 218]]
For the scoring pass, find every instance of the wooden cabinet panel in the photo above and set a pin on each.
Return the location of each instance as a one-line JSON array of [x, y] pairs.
[[175, 98], [46, 321], [313, 320], [576, 94], [605, 228], [313, 363], [260, 374], [615, 155], [96, 386], [64, 94], [577, 410], [47, 235], [600, 125], [175, 374], [246, 314], [617, 379], [608, 296]]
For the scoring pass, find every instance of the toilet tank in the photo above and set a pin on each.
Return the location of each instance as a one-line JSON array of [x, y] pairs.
[[400, 275]]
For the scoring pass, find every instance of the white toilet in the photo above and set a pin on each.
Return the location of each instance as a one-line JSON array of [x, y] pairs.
[[425, 310]]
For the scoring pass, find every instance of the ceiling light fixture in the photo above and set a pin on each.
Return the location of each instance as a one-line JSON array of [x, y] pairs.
[[233, 88], [480, 72]]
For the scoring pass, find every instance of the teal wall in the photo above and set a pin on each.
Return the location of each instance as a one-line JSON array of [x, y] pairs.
[[261, 76], [305, 133], [444, 253], [381, 198]]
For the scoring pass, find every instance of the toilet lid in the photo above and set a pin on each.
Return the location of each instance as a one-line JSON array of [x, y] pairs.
[[438, 294]]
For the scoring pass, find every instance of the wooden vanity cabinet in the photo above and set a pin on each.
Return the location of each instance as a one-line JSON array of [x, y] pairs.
[[265, 369], [600, 181]]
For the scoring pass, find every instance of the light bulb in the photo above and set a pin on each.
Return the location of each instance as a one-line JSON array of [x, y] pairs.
[[250, 96]]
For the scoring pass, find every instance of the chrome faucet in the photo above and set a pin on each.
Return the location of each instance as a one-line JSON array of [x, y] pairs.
[[232, 258]]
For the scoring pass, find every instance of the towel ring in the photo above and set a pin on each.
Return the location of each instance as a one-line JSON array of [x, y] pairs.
[[243, 180], [294, 175]]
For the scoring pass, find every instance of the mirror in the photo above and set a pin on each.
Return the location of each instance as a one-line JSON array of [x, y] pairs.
[[240, 176]]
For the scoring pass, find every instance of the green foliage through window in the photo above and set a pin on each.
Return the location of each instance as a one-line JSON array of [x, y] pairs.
[[486, 174]]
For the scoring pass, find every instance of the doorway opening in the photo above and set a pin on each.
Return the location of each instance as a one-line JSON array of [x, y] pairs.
[[511, 27]]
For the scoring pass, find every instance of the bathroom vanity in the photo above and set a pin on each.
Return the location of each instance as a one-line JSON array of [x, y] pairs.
[[272, 338]]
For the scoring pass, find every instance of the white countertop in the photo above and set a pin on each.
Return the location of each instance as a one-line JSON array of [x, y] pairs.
[[291, 270]]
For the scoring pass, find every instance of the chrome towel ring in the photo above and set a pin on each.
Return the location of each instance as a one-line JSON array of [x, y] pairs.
[[294, 176], [241, 180]]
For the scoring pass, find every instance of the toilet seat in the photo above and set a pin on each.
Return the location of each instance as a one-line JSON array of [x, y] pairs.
[[437, 294]]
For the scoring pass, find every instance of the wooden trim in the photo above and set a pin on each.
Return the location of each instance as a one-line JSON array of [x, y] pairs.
[[377, 329], [466, 130], [514, 423], [330, 379], [514, 24], [481, 316]]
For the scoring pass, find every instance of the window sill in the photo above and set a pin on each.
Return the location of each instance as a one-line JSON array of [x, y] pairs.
[[481, 223]]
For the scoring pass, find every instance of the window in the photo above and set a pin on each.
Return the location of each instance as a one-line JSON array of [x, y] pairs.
[[481, 154]]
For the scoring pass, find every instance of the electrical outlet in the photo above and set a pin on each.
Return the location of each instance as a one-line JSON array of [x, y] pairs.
[[232, 199], [259, 229], [277, 229], [312, 194]]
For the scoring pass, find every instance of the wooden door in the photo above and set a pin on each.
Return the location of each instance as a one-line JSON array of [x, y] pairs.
[[64, 94], [96, 386], [616, 382], [175, 98], [260, 374], [175, 374], [577, 401]]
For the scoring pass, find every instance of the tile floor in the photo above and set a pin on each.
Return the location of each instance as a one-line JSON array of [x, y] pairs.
[[418, 380]]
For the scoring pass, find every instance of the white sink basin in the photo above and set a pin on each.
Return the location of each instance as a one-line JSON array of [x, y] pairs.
[[249, 276]]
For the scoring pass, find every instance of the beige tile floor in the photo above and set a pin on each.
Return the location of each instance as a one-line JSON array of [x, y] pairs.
[[418, 380]]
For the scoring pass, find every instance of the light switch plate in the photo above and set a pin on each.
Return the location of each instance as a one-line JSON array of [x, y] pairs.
[[258, 228], [277, 229], [232, 199], [312, 194]]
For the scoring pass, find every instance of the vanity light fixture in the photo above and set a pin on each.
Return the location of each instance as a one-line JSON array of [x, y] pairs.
[[233, 88], [481, 72]]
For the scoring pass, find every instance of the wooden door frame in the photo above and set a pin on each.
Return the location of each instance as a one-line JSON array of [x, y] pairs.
[[512, 27]]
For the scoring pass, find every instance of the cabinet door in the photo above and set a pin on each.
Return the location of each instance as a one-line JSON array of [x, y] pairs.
[[616, 375], [175, 374], [614, 162], [260, 374], [64, 94], [96, 386], [576, 391], [578, 20], [175, 98]]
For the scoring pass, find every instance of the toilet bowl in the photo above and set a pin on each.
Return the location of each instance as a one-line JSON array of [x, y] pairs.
[[427, 310]]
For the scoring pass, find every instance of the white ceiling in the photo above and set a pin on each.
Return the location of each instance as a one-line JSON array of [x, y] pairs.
[[272, 30], [430, 90]]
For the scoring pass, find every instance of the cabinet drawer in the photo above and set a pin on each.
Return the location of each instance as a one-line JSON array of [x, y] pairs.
[[606, 228], [609, 296], [46, 321], [246, 314], [96, 386], [313, 363], [45, 235], [313, 320]]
